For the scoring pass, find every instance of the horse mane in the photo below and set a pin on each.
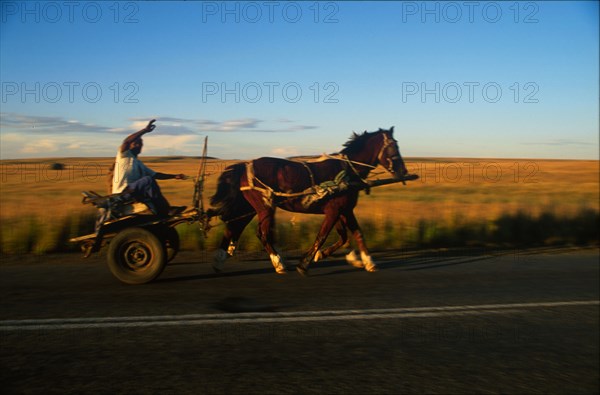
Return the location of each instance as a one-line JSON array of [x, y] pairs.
[[357, 141]]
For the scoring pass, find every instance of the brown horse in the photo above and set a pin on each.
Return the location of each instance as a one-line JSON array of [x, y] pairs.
[[327, 186]]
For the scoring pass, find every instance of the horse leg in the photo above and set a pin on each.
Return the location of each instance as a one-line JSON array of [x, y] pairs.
[[233, 231], [266, 225], [326, 226], [220, 254], [367, 261], [340, 227], [351, 257]]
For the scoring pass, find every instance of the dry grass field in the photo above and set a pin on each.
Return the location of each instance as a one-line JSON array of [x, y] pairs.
[[455, 202]]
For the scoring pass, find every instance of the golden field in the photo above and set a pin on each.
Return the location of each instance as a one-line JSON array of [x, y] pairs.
[[451, 194]]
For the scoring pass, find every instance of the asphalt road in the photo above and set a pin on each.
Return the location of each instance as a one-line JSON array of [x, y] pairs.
[[468, 321]]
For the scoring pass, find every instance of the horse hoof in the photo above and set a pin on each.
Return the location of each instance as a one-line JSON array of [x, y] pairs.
[[356, 264], [278, 264], [303, 271], [354, 261], [371, 268], [281, 270], [318, 256]]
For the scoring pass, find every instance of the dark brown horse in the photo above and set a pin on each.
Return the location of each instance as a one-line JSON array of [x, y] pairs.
[[327, 186]]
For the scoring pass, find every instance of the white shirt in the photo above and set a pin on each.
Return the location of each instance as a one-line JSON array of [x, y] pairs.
[[128, 168]]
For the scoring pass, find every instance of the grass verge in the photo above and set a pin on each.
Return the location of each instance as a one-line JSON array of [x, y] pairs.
[[36, 235]]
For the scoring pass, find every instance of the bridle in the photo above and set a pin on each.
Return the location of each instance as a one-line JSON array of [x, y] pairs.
[[387, 143]]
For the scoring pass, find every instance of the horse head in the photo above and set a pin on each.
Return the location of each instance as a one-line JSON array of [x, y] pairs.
[[389, 155], [376, 148]]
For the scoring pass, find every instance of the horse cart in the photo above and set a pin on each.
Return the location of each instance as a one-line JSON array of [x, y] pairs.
[[140, 243]]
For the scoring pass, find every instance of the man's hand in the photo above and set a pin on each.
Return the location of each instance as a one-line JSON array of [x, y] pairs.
[[150, 127], [181, 177], [126, 144]]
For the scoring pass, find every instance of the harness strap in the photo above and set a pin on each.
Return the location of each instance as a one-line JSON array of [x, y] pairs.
[[268, 192], [310, 173]]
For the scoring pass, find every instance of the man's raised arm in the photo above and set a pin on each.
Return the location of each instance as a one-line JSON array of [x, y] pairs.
[[134, 136]]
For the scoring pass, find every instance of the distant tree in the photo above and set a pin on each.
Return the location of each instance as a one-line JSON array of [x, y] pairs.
[[57, 166]]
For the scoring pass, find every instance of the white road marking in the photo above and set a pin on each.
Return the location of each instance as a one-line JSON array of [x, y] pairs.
[[277, 317]]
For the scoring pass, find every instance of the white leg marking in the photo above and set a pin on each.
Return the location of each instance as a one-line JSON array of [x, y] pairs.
[[318, 256], [370, 266], [353, 260], [278, 264], [231, 248]]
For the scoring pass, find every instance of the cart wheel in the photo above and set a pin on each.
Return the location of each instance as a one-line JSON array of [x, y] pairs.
[[170, 238], [136, 256], [171, 243]]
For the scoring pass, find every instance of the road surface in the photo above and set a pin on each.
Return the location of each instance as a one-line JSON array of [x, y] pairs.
[[470, 321]]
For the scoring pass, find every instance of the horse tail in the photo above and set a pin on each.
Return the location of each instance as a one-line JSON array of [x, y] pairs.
[[228, 196]]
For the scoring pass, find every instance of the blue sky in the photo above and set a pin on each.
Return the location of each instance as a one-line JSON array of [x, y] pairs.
[[456, 79]]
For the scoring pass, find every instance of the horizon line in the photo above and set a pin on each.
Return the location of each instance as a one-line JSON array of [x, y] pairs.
[[153, 157]]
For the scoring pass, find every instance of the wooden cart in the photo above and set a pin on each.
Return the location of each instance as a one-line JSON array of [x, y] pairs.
[[140, 243]]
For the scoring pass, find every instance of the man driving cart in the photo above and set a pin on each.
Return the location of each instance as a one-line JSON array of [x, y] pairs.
[[133, 180], [139, 245]]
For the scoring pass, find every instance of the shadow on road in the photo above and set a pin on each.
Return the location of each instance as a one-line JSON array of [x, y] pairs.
[[409, 260], [208, 276]]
